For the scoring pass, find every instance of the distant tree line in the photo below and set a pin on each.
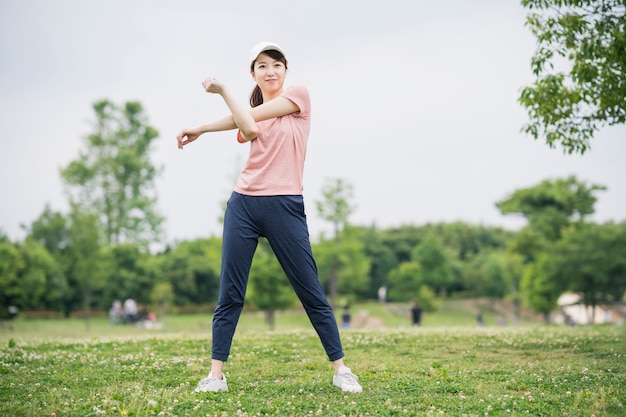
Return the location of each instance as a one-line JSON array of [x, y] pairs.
[[100, 251]]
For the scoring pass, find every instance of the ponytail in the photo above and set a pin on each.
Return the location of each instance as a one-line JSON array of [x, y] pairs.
[[256, 98]]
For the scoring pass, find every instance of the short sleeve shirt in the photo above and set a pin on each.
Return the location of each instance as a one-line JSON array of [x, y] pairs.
[[275, 164]]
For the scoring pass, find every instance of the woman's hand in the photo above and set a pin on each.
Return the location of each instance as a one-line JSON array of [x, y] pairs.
[[212, 85], [186, 136]]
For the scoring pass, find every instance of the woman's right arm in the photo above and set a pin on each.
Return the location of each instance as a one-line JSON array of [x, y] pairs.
[[240, 117], [186, 136]]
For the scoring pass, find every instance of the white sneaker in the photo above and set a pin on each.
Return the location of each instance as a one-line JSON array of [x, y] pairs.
[[210, 384], [346, 380]]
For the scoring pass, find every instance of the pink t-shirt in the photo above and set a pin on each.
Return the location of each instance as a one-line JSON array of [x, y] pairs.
[[275, 164]]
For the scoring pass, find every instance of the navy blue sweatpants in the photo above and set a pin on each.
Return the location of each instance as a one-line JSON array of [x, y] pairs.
[[282, 220]]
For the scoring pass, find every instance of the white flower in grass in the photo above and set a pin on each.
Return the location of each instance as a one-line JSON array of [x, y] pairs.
[[152, 403]]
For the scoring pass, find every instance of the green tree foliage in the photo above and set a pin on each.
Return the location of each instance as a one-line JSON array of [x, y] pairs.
[[591, 261], [555, 252], [39, 268], [552, 205], [539, 288], [193, 269], [345, 259], [496, 275], [569, 107], [114, 177], [436, 264], [51, 230], [269, 290], [335, 207], [27, 271], [467, 240], [125, 268], [405, 282], [382, 260], [85, 245], [487, 276], [161, 297], [11, 263], [427, 299]]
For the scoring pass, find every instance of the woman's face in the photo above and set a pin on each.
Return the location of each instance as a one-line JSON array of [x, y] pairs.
[[269, 74]]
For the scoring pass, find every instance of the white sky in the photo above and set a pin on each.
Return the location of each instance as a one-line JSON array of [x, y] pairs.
[[414, 103]]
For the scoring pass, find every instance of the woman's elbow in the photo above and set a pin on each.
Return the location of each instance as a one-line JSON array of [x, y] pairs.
[[250, 133]]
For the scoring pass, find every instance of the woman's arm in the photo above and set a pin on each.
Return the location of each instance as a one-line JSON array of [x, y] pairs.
[[280, 106], [240, 117], [243, 119], [186, 136]]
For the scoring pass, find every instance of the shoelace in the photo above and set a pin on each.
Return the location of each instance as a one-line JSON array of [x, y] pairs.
[[350, 378], [206, 381]]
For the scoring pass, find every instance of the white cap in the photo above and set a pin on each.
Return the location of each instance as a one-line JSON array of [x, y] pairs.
[[262, 47]]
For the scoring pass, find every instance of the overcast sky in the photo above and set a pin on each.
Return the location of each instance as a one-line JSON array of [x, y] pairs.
[[413, 102]]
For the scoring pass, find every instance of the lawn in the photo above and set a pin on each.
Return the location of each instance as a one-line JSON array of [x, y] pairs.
[[62, 368]]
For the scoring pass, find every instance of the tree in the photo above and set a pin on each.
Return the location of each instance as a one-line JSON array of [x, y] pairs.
[[436, 264], [591, 260], [193, 269], [538, 286], [51, 230], [496, 275], [405, 281], [124, 267], [11, 263], [381, 259], [269, 288], [114, 177], [345, 259], [486, 276], [335, 207], [552, 205], [161, 296], [569, 108], [39, 266], [85, 245]]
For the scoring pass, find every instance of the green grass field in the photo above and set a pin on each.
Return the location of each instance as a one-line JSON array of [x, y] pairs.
[[449, 366]]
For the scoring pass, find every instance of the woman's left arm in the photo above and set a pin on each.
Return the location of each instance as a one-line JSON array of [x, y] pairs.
[[280, 106]]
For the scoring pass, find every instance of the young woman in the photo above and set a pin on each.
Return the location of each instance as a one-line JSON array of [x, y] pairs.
[[267, 202]]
